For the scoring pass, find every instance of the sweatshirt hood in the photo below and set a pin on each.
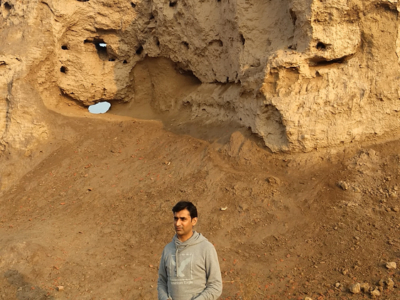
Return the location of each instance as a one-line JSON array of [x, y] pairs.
[[195, 239]]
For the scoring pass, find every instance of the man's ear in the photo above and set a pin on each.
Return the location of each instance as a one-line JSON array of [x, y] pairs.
[[194, 221]]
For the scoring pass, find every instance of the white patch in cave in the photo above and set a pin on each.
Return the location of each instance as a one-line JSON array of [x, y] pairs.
[[99, 108], [103, 45]]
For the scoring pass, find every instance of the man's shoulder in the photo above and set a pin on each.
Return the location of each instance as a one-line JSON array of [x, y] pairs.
[[205, 245], [169, 246]]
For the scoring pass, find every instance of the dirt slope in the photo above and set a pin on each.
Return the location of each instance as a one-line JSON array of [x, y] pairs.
[[95, 214]]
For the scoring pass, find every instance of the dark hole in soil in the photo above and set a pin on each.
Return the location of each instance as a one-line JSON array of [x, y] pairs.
[[157, 42], [293, 16], [133, 4], [321, 61], [242, 39], [63, 69], [173, 3], [151, 16], [125, 62], [186, 44], [321, 46], [7, 6], [111, 59], [83, 0], [64, 47], [139, 50]]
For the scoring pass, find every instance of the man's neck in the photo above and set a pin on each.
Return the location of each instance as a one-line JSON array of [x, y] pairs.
[[186, 237]]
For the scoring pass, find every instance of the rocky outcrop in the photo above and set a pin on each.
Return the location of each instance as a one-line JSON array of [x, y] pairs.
[[302, 74]]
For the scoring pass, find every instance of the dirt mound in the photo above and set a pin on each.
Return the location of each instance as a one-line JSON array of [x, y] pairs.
[[92, 218]]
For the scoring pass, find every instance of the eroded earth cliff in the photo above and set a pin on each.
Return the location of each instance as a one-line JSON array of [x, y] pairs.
[[301, 74]]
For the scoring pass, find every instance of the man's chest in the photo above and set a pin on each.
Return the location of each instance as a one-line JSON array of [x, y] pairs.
[[183, 267]]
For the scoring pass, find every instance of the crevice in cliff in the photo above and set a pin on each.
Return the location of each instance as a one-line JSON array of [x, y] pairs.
[[7, 116], [322, 61], [388, 6]]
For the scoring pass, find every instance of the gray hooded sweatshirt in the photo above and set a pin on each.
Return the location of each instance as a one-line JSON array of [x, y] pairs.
[[189, 270]]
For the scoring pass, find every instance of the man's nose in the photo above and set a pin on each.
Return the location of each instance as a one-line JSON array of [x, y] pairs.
[[178, 222]]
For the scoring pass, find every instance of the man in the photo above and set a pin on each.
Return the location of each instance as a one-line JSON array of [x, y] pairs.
[[189, 267]]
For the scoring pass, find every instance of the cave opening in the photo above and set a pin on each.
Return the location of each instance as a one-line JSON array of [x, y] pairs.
[[101, 47], [63, 69], [64, 47]]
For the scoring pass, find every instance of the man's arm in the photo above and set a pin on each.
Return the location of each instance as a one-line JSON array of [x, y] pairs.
[[213, 273], [162, 282]]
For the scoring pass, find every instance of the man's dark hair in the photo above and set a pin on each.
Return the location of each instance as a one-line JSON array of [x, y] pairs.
[[181, 205]]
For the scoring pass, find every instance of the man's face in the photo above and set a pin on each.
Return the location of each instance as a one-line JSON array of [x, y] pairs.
[[183, 224]]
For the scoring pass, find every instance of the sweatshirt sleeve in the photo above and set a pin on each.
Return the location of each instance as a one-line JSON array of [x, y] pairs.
[[214, 280], [162, 282]]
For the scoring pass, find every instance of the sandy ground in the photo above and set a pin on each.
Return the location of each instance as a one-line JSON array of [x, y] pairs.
[[94, 215]]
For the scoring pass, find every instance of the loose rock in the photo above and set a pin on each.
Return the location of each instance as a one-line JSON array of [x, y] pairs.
[[390, 283], [375, 293], [355, 288], [365, 287], [391, 265], [343, 185]]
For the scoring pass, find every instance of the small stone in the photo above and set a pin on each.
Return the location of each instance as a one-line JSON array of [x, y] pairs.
[[381, 282], [60, 288], [337, 284], [390, 283], [375, 293], [355, 288], [224, 208], [345, 271], [391, 265], [273, 180], [365, 287], [307, 298], [396, 209], [343, 185]]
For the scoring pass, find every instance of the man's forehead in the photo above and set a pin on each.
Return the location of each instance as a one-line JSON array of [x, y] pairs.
[[182, 213]]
